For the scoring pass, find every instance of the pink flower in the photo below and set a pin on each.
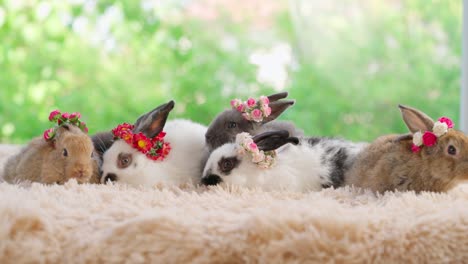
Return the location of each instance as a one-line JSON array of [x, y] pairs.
[[246, 116], [75, 116], [415, 148], [241, 108], [54, 115], [447, 121], [235, 103], [49, 134], [267, 111], [257, 115], [251, 102], [65, 115], [429, 138], [264, 100], [253, 146]]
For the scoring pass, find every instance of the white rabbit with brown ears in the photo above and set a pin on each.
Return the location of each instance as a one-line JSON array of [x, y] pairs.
[[229, 123], [176, 157], [434, 157]]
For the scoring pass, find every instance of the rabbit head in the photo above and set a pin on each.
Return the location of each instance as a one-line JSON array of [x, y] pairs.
[[437, 162], [123, 163], [229, 123], [73, 154], [447, 159], [229, 165]]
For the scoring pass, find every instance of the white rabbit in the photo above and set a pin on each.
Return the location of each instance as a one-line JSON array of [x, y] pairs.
[[310, 164], [183, 164]]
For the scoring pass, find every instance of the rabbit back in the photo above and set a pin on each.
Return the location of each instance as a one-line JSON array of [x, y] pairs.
[[27, 165]]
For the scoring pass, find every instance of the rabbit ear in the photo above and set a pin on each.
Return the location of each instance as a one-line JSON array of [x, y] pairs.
[[150, 124], [277, 108], [416, 120], [272, 140], [277, 96]]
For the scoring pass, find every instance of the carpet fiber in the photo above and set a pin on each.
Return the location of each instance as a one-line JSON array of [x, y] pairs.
[[113, 223]]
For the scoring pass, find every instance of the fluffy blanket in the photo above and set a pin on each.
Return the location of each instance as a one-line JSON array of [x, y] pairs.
[[166, 224]]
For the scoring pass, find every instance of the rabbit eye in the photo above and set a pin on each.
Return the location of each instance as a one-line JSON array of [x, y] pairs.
[[124, 160], [227, 164], [451, 150], [231, 125], [65, 152]]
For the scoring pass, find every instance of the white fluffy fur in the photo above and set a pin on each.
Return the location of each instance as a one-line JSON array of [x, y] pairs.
[[298, 167], [182, 165]]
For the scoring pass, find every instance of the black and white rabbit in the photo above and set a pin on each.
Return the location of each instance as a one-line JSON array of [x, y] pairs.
[[229, 123], [309, 164]]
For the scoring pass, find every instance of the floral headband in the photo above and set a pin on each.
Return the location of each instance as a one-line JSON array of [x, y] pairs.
[[62, 119], [429, 138], [263, 159], [154, 148], [251, 109]]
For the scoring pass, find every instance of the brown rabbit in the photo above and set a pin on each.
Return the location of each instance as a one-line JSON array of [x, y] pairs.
[[392, 163], [69, 155]]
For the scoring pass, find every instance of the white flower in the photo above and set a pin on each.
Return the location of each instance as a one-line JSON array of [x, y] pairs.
[[258, 157], [439, 128], [417, 138], [243, 138]]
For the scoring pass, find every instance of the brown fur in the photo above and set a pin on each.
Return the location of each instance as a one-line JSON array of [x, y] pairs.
[[44, 162], [389, 164]]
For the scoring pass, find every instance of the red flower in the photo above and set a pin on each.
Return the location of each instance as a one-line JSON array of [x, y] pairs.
[[54, 115], [121, 128], [127, 136], [415, 148], [159, 137], [154, 148], [165, 149], [65, 115], [429, 138], [75, 116], [142, 143], [49, 134], [447, 121]]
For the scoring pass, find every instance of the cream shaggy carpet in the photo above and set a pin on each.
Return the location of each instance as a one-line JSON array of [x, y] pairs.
[[118, 224]]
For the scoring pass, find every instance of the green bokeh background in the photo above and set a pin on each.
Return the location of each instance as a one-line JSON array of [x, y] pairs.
[[347, 63]]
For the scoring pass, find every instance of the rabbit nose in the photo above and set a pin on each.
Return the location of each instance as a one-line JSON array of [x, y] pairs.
[[211, 179], [110, 177]]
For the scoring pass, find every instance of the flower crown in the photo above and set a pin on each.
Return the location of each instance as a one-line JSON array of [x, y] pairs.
[[429, 138], [62, 119], [263, 159], [251, 109], [154, 148]]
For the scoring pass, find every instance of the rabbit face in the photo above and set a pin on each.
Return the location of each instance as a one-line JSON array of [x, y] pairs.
[[122, 163], [75, 151], [225, 127], [229, 123], [225, 166], [449, 156]]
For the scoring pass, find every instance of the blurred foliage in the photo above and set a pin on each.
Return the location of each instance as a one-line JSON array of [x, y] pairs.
[[347, 64]]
